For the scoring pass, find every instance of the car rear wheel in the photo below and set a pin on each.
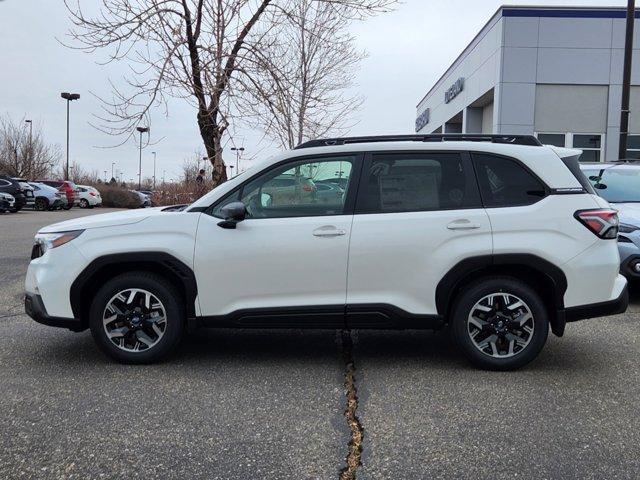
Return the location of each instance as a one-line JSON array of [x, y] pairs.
[[499, 323], [67, 207], [41, 204], [84, 203], [137, 318]]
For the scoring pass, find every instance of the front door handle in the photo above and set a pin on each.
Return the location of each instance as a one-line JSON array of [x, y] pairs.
[[463, 224], [328, 231]]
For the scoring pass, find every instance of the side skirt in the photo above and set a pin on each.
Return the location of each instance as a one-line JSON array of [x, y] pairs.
[[331, 317]]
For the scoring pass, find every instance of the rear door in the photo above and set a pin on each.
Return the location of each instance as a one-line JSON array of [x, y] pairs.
[[417, 215]]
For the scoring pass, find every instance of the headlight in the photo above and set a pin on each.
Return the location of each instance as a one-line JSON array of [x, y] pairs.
[[626, 228], [47, 241]]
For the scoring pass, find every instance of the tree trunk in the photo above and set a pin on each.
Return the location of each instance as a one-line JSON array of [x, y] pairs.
[[211, 134]]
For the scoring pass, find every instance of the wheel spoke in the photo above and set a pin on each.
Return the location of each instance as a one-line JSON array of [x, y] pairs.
[[127, 313], [500, 325]]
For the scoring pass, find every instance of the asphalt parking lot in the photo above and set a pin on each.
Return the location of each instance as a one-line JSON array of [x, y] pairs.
[[262, 404]]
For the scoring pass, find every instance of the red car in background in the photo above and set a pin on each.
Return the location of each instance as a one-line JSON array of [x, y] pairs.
[[65, 186]]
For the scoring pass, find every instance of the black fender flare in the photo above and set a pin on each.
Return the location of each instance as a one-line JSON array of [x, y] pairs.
[[158, 261], [447, 287]]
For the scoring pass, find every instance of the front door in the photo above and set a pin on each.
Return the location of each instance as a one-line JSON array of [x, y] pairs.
[[417, 215], [288, 255]]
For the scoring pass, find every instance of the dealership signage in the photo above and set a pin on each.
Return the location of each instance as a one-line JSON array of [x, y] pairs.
[[422, 120], [454, 90]]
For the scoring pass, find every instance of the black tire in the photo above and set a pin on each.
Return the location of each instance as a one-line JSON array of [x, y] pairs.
[[84, 203], [159, 287], [41, 204], [473, 293], [67, 207]]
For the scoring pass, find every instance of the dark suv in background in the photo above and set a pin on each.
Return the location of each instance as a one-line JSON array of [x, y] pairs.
[[12, 187]]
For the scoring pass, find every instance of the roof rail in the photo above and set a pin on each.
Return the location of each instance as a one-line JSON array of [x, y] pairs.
[[434, 137]]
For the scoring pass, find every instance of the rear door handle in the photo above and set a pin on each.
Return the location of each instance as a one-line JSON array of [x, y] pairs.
[[463, 224], [328, 231]]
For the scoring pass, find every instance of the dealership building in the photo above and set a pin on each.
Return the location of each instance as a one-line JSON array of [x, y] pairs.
[[555, 72]]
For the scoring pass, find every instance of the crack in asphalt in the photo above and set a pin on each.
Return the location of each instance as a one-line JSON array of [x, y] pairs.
[[354, 454]]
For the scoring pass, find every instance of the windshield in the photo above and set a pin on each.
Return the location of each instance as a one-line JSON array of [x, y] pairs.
[[617, 184]]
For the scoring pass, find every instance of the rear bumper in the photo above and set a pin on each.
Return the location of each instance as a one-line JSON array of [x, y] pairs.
[[34, 307], [601, 309]]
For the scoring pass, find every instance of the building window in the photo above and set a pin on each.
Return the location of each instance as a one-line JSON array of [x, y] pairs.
[[591, 146], [555, 139], [633, 146]]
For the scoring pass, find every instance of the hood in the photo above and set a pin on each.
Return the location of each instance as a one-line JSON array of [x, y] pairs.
[[628, 212], [104, 220]]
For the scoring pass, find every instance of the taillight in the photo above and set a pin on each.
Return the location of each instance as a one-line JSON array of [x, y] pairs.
[[603, 222], [92, 194]]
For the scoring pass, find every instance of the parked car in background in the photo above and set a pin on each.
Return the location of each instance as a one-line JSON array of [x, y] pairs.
[[7, 202], [47, 198], [328, 192], [619, 184], [150, 194], [13, 188], [145, 201], [500, 238], [65, 186], [88, 197], [28, 192]]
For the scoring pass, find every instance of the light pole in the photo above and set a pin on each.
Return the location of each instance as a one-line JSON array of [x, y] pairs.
[[154, 170], [141, 130], [626, 79], [231, 168], [69, 97], [163, 172], [30, 138], [238, 153], [112, 165], [105, 176]]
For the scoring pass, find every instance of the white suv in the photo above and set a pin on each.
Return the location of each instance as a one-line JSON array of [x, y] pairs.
[[498, 237]]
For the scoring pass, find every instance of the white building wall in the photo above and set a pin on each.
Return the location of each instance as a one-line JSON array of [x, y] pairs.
[[515, 55]]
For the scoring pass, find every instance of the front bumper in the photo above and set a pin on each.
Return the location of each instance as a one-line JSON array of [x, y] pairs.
[[34, 307]]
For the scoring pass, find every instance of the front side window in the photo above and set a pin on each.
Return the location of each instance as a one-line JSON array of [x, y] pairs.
[[299, 189], [618, 184], [411, 182], [505, 183]]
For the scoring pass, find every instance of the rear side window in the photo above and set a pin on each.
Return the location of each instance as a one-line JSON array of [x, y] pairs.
[[412, 182], [573, 164], [505, 183]]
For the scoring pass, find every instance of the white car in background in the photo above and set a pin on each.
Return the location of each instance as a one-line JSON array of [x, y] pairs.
[[88, 197], [46, 197]]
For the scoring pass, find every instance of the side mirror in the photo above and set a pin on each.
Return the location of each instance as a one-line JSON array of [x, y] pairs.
[[233, 214]]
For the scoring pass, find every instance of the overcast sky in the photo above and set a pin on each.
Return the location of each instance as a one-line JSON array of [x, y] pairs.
[[408, 49]]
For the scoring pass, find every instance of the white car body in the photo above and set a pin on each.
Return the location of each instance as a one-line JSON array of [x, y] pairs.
[[53, 196], [375, 267], [88, 196]]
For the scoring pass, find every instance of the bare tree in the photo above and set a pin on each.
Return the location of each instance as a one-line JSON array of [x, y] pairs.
[[193, 50], [299, 88], [24, 153]]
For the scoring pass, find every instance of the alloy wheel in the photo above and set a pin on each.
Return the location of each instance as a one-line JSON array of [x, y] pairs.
[[134, 320], [500, 325]]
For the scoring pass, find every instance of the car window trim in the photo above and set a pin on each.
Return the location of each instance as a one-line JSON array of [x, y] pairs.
[[350, 199], [470, 179], [547, 190]]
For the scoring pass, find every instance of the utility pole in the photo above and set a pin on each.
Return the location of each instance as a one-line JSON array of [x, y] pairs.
[[30, 140], [238, 153], [141, 130], [626, 79], [112, 165], [154, 170], [69, 97]]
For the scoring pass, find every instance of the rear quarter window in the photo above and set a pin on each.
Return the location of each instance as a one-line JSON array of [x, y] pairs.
[[504, 182]]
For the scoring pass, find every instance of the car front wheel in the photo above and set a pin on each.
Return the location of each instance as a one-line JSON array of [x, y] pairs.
[[499, 323], [137, 318]]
